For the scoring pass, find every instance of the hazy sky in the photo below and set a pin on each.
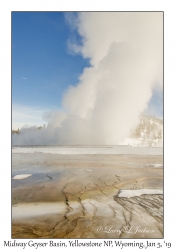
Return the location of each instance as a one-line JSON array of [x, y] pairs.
[[46, 60]]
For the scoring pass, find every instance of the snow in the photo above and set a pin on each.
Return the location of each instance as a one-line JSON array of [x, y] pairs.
[[155, 165], [138, 192], [21, 176], [112, 150], [131, 142]]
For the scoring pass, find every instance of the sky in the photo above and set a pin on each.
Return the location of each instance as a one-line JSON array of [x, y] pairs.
[[88, 76]]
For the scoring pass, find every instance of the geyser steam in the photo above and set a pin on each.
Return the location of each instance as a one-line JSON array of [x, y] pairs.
[[126, 57]]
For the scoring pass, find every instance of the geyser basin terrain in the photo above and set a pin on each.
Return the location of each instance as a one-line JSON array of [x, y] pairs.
[[113, 193]]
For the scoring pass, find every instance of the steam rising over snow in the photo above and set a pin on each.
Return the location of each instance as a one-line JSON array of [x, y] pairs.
[[126, 56]]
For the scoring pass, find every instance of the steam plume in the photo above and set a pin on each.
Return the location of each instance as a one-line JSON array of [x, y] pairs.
[[126, 57]]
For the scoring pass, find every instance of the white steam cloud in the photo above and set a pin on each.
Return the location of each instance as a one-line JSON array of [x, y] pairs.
[[126, 57]]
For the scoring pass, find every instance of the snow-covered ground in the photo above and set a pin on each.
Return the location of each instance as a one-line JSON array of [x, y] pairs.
[[138, 192], [21, 176], [113, 150], [155, 165], [135, 142]]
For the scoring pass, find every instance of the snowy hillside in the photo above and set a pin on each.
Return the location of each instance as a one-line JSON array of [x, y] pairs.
[[149, 132]]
